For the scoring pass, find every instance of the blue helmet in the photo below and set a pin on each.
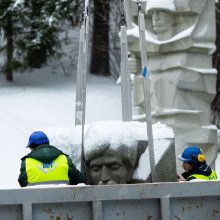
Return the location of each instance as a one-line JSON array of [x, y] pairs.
[[38, 137], [192, 154]]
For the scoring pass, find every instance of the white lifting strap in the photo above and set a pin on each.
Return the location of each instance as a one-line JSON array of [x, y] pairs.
[[82, 68], [125, 75], [146, 79], [80, 105], [86, 4]]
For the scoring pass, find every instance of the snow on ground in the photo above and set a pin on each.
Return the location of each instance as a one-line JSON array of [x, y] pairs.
[[46, 98]]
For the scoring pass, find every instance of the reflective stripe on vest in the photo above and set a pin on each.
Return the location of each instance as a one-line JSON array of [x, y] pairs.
[[54, 182], [38, 172], [212, 176]]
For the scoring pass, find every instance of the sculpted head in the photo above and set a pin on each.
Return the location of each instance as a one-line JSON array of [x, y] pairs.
[[107, 166], [110, 154], [162, 13]]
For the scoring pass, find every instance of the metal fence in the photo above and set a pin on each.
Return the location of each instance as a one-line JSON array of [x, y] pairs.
[[159, 201]]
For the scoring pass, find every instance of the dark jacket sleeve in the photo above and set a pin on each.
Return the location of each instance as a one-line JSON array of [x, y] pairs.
[[188, 176], [75, 175], [23, 175]]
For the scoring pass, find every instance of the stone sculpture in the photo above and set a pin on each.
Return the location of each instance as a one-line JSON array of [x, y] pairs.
[[107, 166], [162, 17], [180, 36], [116, 153]]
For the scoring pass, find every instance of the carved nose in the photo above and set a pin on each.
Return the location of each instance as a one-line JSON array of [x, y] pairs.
[[105, 177], [155, 16]]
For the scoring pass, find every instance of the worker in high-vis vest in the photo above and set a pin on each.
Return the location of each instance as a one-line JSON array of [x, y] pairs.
[[46, 164], [195, 166]]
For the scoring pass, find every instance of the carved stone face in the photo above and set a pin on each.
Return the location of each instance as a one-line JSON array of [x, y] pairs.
[[162, 22], [109, 169]]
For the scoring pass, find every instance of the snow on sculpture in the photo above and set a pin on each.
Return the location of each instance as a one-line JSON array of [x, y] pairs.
[[116, 152], [180, 36]]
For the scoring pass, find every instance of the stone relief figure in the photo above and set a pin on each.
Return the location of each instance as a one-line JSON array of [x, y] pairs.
[[110, 153], [180, 36], [107, 166], [162, 19], [116, 153], [177, 28]]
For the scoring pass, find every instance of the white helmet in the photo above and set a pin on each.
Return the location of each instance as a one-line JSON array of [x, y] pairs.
[[167, 5]]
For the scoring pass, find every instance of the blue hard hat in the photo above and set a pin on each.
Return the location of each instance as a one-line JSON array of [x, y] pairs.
[[38, 137], [192, 154]]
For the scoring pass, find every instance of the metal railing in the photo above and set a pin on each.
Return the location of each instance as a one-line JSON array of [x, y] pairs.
[[153, 201]]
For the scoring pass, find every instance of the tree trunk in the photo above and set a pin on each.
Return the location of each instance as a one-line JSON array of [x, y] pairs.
[[100, 39], [9, 37], [215, 106]]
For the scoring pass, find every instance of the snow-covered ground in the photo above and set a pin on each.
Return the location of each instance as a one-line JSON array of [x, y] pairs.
[[46, 98]]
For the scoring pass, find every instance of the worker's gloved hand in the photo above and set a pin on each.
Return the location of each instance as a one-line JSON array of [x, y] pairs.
[[180, 178]]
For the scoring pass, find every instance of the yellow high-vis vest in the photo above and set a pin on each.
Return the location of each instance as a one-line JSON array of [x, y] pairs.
[[46, 173], [212, 176]]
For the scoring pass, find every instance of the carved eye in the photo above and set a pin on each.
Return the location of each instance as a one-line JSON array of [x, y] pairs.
[[96, 168], [115, 167]]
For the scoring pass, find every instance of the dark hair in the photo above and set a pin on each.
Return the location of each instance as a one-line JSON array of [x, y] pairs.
[[128, 158], [33, 146], [196, 163]]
